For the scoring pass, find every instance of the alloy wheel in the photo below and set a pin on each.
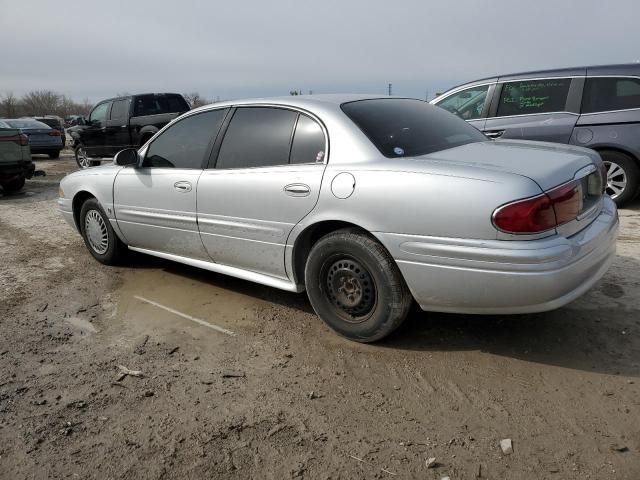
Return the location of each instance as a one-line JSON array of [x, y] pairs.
[[83, 158], [616, 179], [96, 231]]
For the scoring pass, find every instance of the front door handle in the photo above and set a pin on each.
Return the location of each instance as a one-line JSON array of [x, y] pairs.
[[297, 189], [493, 133], [182, 187]]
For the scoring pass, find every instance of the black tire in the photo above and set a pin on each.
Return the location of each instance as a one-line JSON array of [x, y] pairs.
[[114, 251], [54, 154], [13, 186], [628, 169], [82, 158], [355, 286]]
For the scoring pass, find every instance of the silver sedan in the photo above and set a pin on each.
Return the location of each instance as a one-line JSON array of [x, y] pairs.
[[367, 203]]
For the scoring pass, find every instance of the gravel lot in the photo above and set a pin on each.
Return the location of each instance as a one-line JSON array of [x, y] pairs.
[[285, 397]]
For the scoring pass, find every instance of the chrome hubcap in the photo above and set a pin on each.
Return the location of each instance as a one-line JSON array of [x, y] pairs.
[[350, 289], [616, 179], [96, 232], [83, 158]]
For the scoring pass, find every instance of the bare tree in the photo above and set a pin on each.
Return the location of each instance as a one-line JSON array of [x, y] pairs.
[[40, 102], [9, 106], [195, 100]]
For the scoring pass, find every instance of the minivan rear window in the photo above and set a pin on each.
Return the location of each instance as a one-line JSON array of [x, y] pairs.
[[401, 127], [603, 94]]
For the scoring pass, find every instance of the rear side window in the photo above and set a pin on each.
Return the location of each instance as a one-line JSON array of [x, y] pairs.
[[185, 143], [172, 104], [533, 96], [404, 127], [308, 142], [146, 105], [467, 104], [257, 137], [602, 94], [120, 110]]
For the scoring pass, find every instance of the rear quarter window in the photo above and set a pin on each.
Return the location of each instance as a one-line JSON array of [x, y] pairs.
[[404, 127], [603, 94]]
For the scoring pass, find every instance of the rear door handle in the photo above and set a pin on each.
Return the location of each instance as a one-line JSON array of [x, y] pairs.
[[493, 133], [182, 186], [297, 189]]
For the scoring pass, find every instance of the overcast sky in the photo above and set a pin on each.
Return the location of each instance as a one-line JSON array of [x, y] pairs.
[[247, 48]]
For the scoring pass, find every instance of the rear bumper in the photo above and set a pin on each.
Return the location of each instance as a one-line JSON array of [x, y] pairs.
[[9, 171], [505, 277], [46, 148]]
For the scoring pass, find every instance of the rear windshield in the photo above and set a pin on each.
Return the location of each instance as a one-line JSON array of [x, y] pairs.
[[52, 122], [26, 124], [401, 127]]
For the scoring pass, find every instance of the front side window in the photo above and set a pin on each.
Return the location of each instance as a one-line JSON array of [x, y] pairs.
[[308, 142], [401, 127], [99, 114], [603, 94], [257, 137], [185, 143], [533, 96], [120, 110], [467, 104]]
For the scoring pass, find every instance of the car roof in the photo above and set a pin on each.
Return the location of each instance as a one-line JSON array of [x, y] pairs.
[[302, 101], [593, 70]]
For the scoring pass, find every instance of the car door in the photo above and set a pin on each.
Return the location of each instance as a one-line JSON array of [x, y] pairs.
[[155, 204], [265, 178], [470, 103], [94, 135], [117, 127], [538, 109]]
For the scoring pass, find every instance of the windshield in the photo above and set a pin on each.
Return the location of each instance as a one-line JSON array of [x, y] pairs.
[[26, 123], [401, 127]]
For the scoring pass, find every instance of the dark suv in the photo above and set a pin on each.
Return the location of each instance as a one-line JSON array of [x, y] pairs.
[[595, 107], [123, 122]]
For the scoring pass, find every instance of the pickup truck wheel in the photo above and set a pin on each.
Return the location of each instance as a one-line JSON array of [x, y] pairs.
[[623, 176], [98, 234], [355, 286], [13, 186], [82, 158]]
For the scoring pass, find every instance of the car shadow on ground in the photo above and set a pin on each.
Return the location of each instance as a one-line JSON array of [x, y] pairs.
[[596, 333]]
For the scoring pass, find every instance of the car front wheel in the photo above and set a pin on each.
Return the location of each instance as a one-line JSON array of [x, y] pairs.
[[98, 234], [623, 176], [355, 286]]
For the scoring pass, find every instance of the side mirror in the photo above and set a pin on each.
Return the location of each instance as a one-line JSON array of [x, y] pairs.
[[128, 156], [82, 121]]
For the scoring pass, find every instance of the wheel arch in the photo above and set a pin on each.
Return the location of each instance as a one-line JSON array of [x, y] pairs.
[[76, 205], [603, 147], [146, 133], [308, 237]]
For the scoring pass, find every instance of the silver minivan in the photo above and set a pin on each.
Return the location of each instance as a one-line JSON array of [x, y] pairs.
[[596, 107]]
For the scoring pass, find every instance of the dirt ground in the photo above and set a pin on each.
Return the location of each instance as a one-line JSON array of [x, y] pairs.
[[285, 397]]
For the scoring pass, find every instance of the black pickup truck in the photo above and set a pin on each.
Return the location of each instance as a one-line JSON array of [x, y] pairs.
[[123, 122]]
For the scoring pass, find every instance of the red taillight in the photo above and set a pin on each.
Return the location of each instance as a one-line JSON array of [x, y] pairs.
[[24, 140], [55, 133], [531, 215], [556, 207]]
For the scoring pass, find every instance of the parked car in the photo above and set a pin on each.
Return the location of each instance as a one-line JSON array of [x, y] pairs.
[[15, 159], [56, 123], [367, 203], [596, 107], [123, 122], [42, 138]]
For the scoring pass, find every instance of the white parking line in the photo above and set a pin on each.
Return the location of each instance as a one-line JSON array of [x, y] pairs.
[[188, 317]]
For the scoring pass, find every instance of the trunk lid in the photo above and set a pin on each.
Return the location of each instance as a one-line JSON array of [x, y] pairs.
[[547, 164]]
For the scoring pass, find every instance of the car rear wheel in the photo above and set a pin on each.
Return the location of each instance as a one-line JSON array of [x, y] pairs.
[[13, 186], [355, 286], [98, 234], [623, 176]]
